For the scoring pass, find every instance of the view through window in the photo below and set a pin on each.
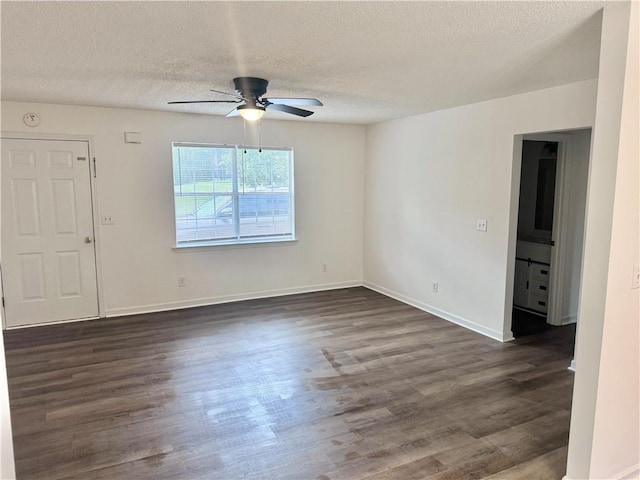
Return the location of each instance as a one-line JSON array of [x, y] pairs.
[[231, 194]]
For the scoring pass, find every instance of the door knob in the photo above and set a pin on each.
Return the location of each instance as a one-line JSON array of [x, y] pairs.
[[88, 239]]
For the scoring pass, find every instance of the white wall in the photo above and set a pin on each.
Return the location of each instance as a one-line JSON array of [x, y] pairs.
[[604, 439], [616, 436], [139, 267], [429, 177], [7, 466]]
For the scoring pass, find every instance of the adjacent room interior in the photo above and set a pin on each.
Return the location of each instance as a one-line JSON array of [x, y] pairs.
[[324, 240]]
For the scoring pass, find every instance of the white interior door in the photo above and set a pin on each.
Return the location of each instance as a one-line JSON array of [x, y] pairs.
[[48, 254]]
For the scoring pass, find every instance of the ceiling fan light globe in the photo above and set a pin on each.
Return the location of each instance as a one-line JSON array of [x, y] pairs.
[[251, 113]]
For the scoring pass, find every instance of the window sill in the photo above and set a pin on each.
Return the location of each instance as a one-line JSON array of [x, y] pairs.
[[204, 246]]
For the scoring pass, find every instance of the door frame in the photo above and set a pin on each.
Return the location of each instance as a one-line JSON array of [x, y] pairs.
[[97, 244], [559, 232]]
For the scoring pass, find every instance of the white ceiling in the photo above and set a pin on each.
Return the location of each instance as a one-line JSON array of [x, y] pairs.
[[367, 61]]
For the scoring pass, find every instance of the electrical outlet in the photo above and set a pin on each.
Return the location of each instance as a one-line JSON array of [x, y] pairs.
[[481, 225], [434, 287], [324, 268], [635, 282], [107, 220], [182, 282]]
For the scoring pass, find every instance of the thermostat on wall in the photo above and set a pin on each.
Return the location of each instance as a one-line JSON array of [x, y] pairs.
[[31, 119]]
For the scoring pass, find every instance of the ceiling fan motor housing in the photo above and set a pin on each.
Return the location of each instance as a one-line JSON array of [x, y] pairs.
[[250, 87]]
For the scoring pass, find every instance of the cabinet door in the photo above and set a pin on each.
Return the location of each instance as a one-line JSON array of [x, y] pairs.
[[539, 287], [520, 287], [540, 272], [538, 302]]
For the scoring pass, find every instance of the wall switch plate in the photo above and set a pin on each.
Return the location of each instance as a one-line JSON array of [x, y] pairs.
[[324, 268], [635, 282], [434, 287], [481, 225], [182, 282], [107, 220]]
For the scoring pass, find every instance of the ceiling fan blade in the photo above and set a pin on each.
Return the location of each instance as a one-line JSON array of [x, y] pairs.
[[233, 113], [289, 109], [207, 101], [226, 93], [294, 101]]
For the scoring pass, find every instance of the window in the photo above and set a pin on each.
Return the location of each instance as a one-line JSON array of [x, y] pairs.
[[230, 194]]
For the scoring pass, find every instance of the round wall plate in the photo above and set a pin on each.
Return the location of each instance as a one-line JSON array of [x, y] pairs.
[[31, 119]]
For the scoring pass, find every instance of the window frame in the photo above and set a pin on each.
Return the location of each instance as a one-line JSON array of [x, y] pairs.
[[235, 195]]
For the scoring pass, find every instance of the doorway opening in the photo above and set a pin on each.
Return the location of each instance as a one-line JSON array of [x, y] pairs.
[[549, 185], [535, 236]]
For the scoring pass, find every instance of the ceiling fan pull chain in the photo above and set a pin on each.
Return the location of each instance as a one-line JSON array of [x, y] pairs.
[[244, 179], [244, 134], [259, 136]]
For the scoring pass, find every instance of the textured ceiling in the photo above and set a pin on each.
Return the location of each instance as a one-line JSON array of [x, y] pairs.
[[367, 61]]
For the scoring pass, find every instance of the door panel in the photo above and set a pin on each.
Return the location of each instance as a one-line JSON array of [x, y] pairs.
[[32, 276], [64, 206], [48, 271], [25, 197], [69, 274]]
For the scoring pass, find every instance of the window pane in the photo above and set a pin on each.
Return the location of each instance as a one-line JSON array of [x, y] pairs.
[[280, 169], [263, 171], [204, 217], [223, 171], [263, 214], [215, 202]]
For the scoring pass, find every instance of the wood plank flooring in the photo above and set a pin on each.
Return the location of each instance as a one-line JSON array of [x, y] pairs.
[[346, 384]]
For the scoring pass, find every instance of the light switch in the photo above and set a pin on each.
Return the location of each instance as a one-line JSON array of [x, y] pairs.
[[635, 282], [481, 225]]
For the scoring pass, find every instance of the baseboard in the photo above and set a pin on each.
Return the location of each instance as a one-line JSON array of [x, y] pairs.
[[572, 366], [202, 302], [632, 473], [55, 322], [569, 319], [468, 324]]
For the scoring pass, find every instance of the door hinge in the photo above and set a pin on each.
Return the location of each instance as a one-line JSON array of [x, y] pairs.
[[3, 301], [94, 168]]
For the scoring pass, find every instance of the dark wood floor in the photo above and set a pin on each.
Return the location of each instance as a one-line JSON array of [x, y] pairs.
[[347, 384]]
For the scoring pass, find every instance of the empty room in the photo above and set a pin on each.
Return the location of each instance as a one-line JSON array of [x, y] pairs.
[[320, 240]]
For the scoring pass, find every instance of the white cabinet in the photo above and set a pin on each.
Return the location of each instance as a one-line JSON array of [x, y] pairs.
[[531, 285]]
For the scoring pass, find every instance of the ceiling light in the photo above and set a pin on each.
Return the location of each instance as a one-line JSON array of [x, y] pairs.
[[251, 112]]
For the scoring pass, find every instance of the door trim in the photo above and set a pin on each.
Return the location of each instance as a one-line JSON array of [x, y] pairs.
[[94, 206]]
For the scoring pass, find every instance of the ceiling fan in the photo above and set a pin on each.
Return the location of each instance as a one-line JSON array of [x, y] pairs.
[[250, 91]]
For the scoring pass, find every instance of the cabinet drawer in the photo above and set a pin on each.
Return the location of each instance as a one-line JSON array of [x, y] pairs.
[[539, 287], [540, 272], [538, 302]]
